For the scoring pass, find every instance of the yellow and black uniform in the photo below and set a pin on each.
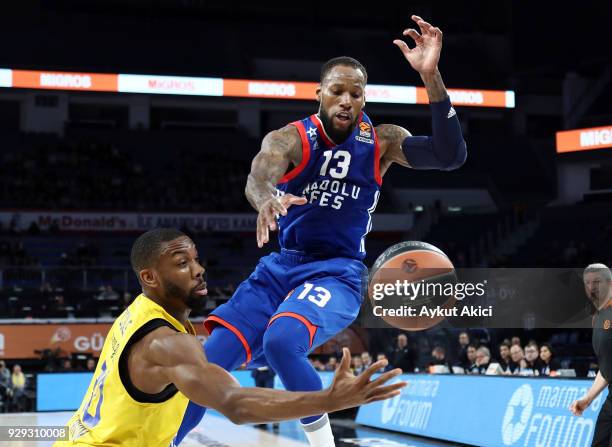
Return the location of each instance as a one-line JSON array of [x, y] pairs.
[[602, 345], [113, 411]]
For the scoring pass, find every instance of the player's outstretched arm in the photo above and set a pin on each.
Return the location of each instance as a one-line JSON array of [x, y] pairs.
[[446, 148], [180, 360], [279, 148]]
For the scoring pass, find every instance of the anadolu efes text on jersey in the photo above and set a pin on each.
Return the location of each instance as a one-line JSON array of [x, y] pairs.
[[342, 185]]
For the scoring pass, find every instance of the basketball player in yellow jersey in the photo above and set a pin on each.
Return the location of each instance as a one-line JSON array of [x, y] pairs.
[[151, 364]]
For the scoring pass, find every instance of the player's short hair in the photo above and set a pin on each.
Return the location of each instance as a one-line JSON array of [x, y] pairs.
[[147, 247], [599, 268], [343, 60]]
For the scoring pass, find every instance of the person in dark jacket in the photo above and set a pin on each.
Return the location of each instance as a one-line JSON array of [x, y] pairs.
[[402, 356]]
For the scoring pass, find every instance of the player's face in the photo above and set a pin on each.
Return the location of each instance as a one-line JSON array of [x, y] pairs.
[[181, 276], [597, 288], [341, 96]]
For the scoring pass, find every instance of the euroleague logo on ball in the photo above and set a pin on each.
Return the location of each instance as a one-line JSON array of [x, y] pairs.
[[410, 266]]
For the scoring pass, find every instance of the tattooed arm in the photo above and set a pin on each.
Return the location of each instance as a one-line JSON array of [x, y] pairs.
[[390, 138], [436, 91], [279, 148]]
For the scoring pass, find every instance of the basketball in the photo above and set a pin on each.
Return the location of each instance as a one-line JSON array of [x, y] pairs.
[[408, 267]]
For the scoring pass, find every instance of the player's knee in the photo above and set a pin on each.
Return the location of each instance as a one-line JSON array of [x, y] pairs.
[[274, 344], [286, 337]]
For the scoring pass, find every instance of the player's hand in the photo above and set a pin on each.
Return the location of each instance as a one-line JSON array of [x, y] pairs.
[[578, 406], [266, 220], [349, 391], [425, 55]]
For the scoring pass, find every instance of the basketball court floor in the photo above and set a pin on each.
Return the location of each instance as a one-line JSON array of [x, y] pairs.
[[217, 431]]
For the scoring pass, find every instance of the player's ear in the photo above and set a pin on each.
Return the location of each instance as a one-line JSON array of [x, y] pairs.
[[318, 93], [148, 278]]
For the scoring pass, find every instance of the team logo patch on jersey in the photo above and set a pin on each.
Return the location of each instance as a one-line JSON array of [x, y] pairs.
[[606, 325], [365, 133], [365, 130], [312, 133]]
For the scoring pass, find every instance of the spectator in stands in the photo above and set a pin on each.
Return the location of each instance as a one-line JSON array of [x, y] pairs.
[[464, 341], [438, 356], [402, 356], [516, 341], [66, 365], [18, 384], [549, 363], [483, 358], [5, 381], [90, 365], [517, 357], [382, 356], [357, 365], [366, 359], [504, 356], [331, 364], [471, 358], [532, 358]]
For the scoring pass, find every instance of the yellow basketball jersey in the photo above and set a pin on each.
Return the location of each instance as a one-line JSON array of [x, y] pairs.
[[113, 411]]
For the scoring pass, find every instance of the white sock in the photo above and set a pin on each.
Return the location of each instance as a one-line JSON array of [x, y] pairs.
[[319, 433]]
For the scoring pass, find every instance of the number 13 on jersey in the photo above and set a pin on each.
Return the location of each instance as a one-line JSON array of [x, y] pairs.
[[320, 297]]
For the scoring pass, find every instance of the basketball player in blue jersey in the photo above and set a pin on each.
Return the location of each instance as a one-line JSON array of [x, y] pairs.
[[297, 299]]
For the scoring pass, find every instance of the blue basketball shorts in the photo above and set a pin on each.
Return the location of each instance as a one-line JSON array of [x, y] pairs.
[[324, 294]]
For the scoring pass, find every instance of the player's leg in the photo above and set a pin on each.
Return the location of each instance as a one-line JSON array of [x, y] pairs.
[[237, 328], [313, 313]]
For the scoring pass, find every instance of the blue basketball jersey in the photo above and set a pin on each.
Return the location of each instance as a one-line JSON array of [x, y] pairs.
[[342, 185]]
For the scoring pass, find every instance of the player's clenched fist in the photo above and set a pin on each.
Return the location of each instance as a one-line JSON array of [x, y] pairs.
[[266, 220]]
